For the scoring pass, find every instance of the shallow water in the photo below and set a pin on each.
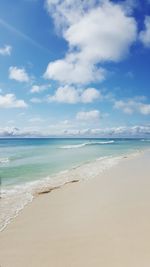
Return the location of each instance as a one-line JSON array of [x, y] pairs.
[[27, 165]]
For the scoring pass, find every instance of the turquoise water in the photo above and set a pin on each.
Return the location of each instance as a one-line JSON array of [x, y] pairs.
[[23, 160], [30, 164]]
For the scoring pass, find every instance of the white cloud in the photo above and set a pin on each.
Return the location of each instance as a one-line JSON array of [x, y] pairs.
[[10, 101], [91, 115], [144, 109], [72, 71], [127, 107], [130, 5], [8, 131], [16, 132], [39, 88], [66, 94], [103, 34], [6, 50], [120, 131], [90, 94], [145, 34], [127, 131], [95, 33], [130, 106], [70, 95], [18, 74], [66, 12]]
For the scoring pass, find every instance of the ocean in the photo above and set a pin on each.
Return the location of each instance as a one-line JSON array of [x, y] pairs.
[[27, 165]]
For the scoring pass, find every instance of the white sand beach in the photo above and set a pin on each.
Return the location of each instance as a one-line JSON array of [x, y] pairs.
[[101, 222]]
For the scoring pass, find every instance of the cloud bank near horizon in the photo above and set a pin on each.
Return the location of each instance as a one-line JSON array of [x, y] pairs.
[[121, 131]]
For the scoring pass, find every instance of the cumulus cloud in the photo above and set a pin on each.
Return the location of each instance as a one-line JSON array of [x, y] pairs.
[[135, 130], [130, 106], [145, 34], [18, 74], [10, 101], [70, 95], [72, 71], [6, 50], [101, 34], [65, 94], [16, 132], [8, 131], [130, 5], [144, 109], [96, 32], [120, 131], [127, 107], [39, 88], [90, 94], [91, 115]]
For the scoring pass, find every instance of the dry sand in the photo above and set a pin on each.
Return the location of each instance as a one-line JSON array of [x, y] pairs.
[[104, 222]]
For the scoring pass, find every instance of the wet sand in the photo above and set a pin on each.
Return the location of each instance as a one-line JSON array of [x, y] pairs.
[[101, 222]]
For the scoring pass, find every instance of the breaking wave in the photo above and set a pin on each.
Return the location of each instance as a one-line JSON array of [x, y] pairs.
[[4, 160], [14, 198], [87, 144]]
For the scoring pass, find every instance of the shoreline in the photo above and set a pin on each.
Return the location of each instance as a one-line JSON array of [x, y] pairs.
[[100, 222], [76, 173]]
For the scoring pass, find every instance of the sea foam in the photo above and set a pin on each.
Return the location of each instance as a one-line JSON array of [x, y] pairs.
[[4, 160], [15, 198]]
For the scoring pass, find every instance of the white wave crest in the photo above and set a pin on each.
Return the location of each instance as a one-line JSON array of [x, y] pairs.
[[15, 198], [88, 144], [4, 160]]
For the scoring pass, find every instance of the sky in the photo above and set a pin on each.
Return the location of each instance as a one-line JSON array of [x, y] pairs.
[[75, 68]]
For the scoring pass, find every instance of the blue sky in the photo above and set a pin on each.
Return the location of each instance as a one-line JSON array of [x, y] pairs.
[[74, 68]]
